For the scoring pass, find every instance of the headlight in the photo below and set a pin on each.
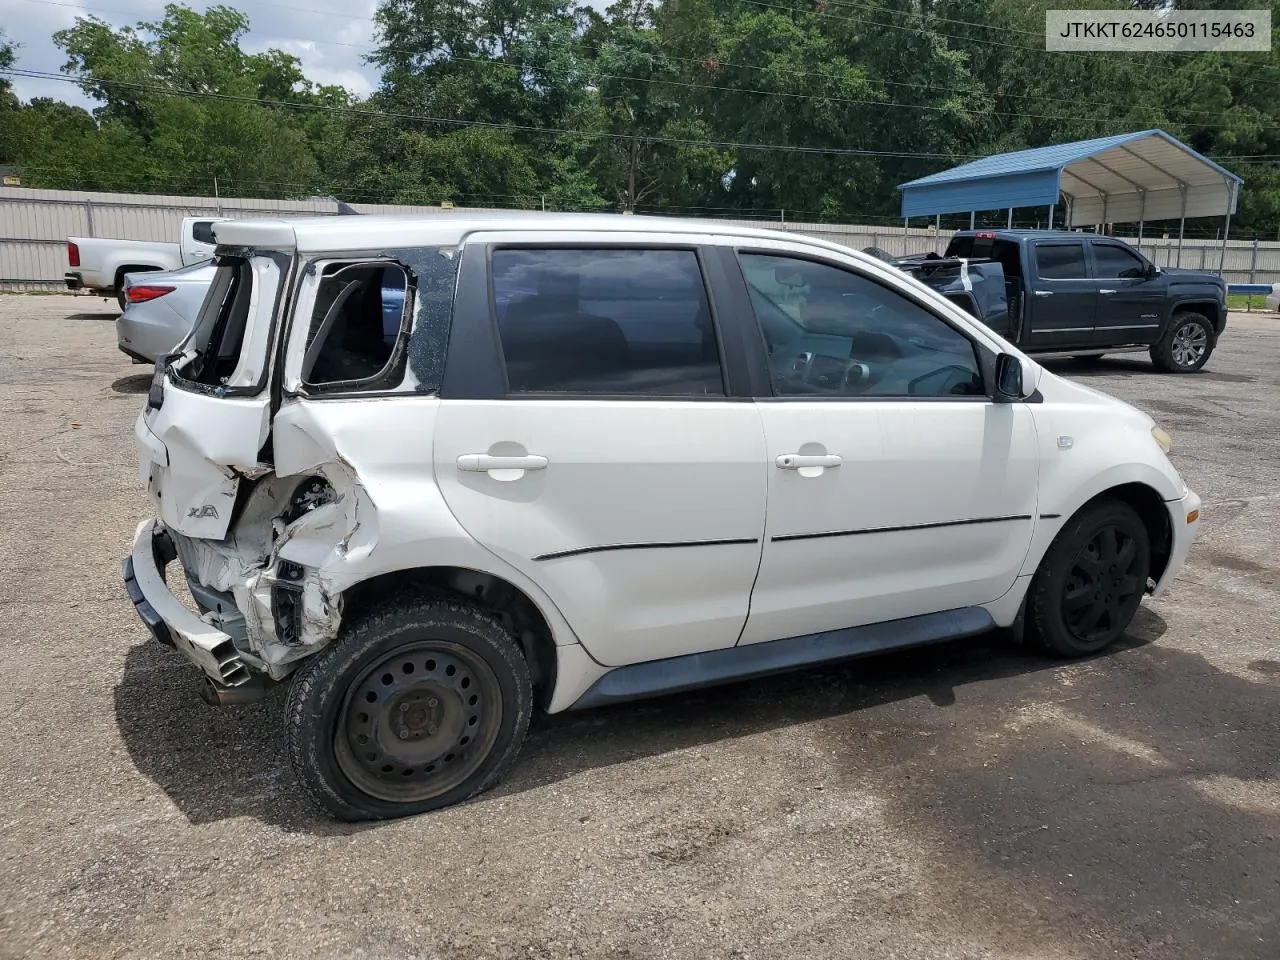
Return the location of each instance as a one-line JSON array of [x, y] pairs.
[[1162, 438]]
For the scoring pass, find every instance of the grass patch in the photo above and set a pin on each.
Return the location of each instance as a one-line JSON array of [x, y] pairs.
[[1246, 301]]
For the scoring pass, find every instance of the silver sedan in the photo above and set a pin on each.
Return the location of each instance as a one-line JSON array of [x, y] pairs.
[[160, 308]]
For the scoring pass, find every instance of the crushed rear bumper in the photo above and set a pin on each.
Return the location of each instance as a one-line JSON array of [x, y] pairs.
[[169, 621]]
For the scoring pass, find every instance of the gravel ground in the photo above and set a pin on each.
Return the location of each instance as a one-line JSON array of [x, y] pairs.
[[970, 800]]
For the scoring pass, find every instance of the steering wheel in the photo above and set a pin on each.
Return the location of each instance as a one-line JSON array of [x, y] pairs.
[[817, 373]]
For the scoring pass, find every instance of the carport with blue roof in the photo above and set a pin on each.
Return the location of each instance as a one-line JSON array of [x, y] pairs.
[[1129, 178]]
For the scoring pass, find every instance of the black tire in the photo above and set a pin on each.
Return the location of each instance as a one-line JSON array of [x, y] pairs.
[[121, 299], [451, 678], [1090, 581], [1186, 345]]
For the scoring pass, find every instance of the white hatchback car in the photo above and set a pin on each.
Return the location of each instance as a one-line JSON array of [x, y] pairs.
[[602, 458]]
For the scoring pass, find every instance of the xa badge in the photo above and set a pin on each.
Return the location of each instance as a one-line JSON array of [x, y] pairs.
[[199, 513]]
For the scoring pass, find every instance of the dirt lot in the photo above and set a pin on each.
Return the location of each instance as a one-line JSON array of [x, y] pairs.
[[968, 801]]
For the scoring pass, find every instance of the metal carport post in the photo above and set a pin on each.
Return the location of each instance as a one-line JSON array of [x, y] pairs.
[[1231, 202]]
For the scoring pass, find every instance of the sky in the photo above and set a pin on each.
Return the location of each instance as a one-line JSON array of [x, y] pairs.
[[328, 36]]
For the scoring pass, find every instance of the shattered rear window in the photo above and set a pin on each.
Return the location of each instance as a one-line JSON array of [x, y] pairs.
[[435, 272]]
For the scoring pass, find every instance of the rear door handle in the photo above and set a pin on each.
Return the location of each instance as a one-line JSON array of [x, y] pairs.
[[1106, 291], [796, 461], [483, 462], [1044, 293]]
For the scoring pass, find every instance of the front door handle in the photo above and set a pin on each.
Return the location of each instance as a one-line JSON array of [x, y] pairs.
[[1044, 293], [483, 462], [1106, 291], [797, 461]]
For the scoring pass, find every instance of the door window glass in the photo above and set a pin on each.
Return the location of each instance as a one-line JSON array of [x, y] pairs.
[[832, 332], [601, 321], [1060, 261], [1117, 263]]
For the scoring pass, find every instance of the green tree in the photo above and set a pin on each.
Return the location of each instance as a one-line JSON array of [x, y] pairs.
[[178, 110], [515, 64], [645, 111]]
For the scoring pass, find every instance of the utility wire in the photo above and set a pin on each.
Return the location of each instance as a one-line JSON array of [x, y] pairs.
[[514, 127], [890, 104]]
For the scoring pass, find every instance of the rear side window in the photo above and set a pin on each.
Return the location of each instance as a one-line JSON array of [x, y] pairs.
[[355, 324], [1060, 261], [202, 231], [605, 321]]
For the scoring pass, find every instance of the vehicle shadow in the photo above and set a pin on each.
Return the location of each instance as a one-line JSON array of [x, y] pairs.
[[106, 313], [135, 383], [222, 762]]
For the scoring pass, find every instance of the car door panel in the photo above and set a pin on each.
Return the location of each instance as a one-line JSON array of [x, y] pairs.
[[931, 509], [644, 526], [640, 514], [1129, 305], [1062, 304], [882, 503]]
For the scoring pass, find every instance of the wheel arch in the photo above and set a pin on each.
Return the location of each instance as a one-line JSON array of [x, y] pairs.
[[1208, 308], [1150, 507], [521, 614], [118, 277]]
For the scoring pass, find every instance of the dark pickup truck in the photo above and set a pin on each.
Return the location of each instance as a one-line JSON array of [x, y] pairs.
[[1073, 294]]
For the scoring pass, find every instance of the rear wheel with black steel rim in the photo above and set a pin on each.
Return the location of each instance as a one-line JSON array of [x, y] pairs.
[[417, 706], [1091, 580], [1186, 345]]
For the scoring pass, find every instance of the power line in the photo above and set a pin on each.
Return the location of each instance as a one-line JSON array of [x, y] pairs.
[[514, 127], [885, 104]]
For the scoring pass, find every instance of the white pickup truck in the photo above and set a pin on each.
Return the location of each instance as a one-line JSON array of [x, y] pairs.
[[100, 265]]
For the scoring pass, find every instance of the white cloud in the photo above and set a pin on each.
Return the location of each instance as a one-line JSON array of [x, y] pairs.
[[330, 37]]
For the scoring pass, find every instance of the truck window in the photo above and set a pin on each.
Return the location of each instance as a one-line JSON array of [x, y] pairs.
[[202, 232], [1112, 262], [1061, 261], [970, 247]]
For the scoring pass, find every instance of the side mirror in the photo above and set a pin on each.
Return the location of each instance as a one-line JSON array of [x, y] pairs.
[[1008, 387], [1152, 271]]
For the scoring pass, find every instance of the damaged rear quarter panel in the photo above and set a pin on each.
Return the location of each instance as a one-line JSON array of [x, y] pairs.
[[388, 514]]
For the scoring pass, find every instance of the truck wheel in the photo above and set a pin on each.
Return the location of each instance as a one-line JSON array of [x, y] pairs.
[[420, 704], [1186, 345], [1090, 581]]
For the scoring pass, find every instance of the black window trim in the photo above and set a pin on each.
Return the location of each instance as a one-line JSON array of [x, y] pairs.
[[983, 355], [1086, 258], [603, 243]]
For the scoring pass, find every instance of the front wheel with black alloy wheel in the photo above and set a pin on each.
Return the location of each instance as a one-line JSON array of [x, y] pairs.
[[1091, 580], [1186, 345], [418, 705]]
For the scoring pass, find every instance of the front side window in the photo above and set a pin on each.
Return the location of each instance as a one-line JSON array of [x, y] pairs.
[[605, 321], [1117, 263], [1060, 261], [355, 323], [832, 332]]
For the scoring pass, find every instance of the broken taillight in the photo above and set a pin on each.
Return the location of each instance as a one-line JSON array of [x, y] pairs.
[[73, 254], [147, 292]]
